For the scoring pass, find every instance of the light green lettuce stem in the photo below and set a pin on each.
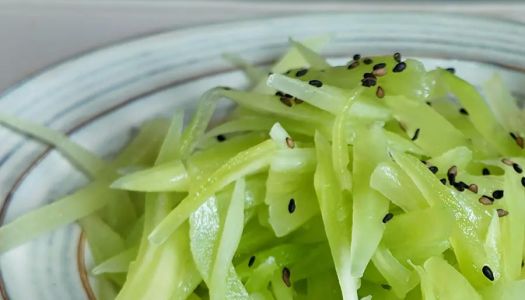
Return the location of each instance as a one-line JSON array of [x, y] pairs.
[[369, 206], [337, 218]]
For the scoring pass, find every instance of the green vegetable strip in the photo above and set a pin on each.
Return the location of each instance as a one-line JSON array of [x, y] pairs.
[[389, 180], [118, 263], [313, 59], [291, 177], [493, 246], [421, 118], [327, 98], [261, 123], [369, 207], [336, 213], [505, 290], [279, 288], [146, 276], [147, 279], [244, 163], [292, 59], [427, 290], [434, 227], [228, 241], [401, 144], [262, 275], [513, 225], [480, 115], [103, 241], [323, 286], [271, 104], [166, 177], [503, 105], [446, 282], [63, 211], [339, 143], [469, 215], [253, 73], [172, 146], [144, 147], [85, 160], [280, 136], [398, 276], [196, 128]]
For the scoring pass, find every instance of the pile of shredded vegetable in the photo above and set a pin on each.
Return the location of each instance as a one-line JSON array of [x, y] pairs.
[[376, 179]]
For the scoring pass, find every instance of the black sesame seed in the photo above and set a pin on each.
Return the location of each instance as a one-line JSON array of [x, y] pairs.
[[357, 56], [368, 82], [463, 111], [226, 88], [353, 65], [221, 138], [461, 186], [433, 169], [517, 168], [523, 181], [473, 188], [251, 261], [286, 277], [315, 82], [397, 57], [486, 200], [400, 67], [279, 93], [451, 70], [388, 217], [369, 75], [522, 263], [428, 103], [288, 72], [301, 72], [298, 101], [485, 171], [451, 174], [501, 212], [367, 60], [512, 135], [291, 205], [380, 93], [379, 66], [416, 135], [497, 194], [386, 286], [488, 273], [423, 161], [443, 181]]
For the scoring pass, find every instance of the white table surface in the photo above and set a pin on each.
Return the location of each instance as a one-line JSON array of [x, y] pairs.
[[36, 34]]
